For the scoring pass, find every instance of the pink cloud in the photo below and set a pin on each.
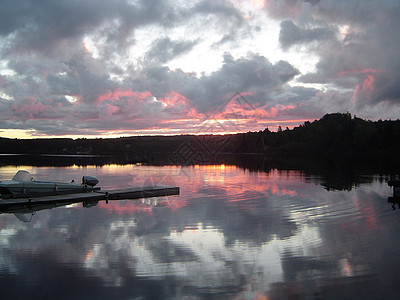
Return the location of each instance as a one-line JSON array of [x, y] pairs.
[[173, 113], [174, 98], [257, 113], [367, 87], [119, 93], [111, 109], [32, 110]]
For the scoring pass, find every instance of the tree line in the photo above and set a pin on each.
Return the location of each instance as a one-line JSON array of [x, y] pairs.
[[337, 135]]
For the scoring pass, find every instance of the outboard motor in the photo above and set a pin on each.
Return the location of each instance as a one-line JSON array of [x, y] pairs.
[[90, 180]]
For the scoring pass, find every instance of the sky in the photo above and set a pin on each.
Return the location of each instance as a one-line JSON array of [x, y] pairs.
[[110, 68]]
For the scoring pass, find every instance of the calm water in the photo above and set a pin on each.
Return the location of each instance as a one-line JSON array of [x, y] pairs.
[[231, 234]]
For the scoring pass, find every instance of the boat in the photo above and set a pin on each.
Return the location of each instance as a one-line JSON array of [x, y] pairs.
[[24, 185]]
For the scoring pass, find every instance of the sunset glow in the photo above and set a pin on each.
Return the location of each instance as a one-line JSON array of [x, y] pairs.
[[240, 188], [193, 67]]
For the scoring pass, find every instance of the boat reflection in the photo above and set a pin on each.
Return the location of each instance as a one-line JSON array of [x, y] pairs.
[[25, 212], [394, 201]]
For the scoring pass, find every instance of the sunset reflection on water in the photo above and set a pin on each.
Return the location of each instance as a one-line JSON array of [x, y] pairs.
[[231, 233], [239, 187]]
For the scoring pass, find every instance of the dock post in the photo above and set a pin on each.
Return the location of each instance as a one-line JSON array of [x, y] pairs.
[[106, 197], [396, 191]]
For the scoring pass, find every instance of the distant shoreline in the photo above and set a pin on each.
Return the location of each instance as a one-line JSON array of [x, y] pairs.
[[335, 136]]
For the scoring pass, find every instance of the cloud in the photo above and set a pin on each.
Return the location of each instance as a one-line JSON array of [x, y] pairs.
[[60, 61], [164, 49], [207, 93], [157, 94], [40, 26], [358, 56], [291, 34], [62, 51]]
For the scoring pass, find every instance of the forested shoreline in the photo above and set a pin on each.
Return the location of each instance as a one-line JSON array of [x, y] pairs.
[[333, 136]]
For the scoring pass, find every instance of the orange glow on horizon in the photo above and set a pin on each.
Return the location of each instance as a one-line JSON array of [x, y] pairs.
[[178, 121], [257, 126], [173, 115], [215, 167], [191, 129]]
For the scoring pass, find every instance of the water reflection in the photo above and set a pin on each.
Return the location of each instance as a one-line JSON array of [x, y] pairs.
[[395, 198], [25, 212], [231, 233]]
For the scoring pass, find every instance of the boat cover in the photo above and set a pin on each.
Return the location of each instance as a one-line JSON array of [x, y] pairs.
[[23, 175]]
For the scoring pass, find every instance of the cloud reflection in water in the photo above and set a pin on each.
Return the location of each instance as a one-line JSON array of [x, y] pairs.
[[230, 233]]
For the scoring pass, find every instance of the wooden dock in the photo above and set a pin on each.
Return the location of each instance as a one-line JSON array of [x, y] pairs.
[[93, 196]]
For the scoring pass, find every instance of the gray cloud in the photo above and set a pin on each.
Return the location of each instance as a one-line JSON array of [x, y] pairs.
[[291, 34], [209, 92], [43, 25], [164, 49], [361, 58], [124, 104], [223, 9], [333, 11], [47, 56]]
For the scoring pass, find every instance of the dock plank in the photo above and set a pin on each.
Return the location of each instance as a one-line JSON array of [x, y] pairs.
[[146, 192], [97, 195]]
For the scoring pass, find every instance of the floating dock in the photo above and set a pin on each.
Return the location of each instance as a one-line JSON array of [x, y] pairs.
[[92, 196]]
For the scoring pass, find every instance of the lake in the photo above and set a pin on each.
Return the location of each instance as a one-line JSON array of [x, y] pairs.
[[232, 233]]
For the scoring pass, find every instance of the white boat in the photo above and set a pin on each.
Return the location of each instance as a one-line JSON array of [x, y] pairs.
[[24, 185]]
